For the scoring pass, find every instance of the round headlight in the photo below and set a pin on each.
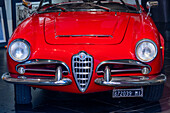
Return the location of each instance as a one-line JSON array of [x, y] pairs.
[[146, 50], [19, 50]]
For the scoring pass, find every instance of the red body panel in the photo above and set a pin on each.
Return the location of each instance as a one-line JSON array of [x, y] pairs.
[[85, 23], [126, 28]]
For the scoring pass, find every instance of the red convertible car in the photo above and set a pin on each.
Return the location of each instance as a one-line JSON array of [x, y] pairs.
[[85, 47]]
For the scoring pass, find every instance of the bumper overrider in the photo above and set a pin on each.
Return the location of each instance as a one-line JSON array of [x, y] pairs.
[[107, 80]]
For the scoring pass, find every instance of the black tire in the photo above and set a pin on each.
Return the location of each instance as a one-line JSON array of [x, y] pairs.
[[22, 94], [153, 93]]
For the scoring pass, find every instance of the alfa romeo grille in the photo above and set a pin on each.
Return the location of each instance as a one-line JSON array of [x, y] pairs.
[[82, 67]]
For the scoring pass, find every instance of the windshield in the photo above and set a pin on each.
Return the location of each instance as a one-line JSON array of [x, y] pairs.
[[90, 5]]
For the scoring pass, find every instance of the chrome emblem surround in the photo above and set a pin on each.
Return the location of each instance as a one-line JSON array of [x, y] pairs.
[[82, 56], [79, 63]]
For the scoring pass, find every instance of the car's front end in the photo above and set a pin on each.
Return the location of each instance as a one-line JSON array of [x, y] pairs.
[[86, 52]]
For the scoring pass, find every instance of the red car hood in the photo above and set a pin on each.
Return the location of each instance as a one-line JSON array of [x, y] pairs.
[[85, 28]]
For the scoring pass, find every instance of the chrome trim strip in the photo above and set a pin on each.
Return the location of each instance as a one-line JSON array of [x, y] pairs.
[[82, 84], [82, 78], [36, 81], [41, 70], [126, 61], [42, 61], [121, 70], [83, 36], [44, 70], [82, 67], [125, 70], [131, 81], [82, 62], [82, 73]]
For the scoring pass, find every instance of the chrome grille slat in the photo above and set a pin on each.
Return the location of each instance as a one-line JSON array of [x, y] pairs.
[[82, 67], [83, 84], [43, 66], [82, 61], [125, 70], [81, 73], [129, 66], [43, 70], [82, 78], [82, 70], [121, 70]]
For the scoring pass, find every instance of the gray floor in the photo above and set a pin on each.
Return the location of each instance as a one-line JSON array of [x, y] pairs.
[[49, 101]]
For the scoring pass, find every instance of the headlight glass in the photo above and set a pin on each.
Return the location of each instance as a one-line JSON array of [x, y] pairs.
[[19, 50], [146, 50]]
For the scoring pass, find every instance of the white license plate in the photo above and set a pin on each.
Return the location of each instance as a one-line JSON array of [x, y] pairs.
[[118, 93]]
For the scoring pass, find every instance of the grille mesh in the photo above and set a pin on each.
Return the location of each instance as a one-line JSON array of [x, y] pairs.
[[82, 70]]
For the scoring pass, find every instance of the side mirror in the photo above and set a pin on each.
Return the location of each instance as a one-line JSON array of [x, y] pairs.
[[27, 4], [151, 4]]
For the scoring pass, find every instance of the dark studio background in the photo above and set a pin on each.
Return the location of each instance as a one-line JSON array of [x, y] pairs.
[[161, 17], [44, 101]]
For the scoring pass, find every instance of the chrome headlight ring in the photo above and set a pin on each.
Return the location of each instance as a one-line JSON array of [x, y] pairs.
[[19, 50], [146, 50]]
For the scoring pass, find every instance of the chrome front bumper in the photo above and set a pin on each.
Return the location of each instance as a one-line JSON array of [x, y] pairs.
[[131, 81], [36, 81]]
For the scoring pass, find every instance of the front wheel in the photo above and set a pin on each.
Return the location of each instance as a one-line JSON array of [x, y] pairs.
[[22, 94], [153, 93]]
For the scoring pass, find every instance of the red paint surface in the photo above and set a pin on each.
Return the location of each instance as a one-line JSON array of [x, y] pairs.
[[126, 28]]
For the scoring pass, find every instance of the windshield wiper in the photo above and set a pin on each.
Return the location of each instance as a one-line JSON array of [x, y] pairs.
[[99, 6], [102, 7], [51, 9], [63, 9], [99, 2], [125, 5], [90, 2]]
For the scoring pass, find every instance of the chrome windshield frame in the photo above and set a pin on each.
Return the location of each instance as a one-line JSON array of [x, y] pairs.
[[138, 8]]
